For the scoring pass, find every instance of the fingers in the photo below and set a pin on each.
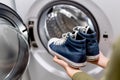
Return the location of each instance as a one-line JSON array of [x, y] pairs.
[[56, 59], [60, 62]]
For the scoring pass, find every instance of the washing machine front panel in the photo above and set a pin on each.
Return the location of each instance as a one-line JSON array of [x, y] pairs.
[[43, 13]]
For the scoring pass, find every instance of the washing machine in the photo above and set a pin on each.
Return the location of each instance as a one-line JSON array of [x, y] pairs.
[[51, 18]]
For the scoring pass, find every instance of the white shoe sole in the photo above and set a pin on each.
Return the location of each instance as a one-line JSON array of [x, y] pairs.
[[72, 64], [92, 58]]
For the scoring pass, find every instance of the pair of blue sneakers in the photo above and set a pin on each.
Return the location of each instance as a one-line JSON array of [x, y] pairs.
[[77, 47]]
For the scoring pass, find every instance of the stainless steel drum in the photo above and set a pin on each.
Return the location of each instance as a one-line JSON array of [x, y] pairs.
[[14, 49], [60, 18]]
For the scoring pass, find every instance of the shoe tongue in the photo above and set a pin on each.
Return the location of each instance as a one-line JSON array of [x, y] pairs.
[[78, 37]]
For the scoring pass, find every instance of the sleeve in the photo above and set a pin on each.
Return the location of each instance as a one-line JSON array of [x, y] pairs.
[[81, 76], [112, 71]]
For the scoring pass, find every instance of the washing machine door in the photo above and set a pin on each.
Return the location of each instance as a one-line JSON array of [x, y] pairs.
[[14, 53], [52, 18]]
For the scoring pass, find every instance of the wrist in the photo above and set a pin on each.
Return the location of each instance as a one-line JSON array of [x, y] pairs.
[[103, 62]]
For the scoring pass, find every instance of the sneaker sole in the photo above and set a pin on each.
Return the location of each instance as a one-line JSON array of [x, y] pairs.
[[92, 58], [72, 64]]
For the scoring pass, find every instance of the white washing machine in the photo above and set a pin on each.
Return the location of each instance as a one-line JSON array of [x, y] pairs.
[[51, 18], [101, 15]]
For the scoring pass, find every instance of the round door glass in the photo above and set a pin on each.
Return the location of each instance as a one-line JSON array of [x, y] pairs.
[[8, 48], [13, 52]]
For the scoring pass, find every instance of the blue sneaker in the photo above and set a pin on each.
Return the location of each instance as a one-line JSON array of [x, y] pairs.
[[70, 50], [92, 47]]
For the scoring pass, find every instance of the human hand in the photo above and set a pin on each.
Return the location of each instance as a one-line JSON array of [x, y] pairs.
[[70, 70], [102, 61]]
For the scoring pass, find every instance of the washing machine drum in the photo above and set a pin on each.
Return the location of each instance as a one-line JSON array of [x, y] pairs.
[[14, 53], [60, 18]]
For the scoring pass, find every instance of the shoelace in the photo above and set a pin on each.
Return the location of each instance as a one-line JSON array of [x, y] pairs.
[[83, 29], [63, 39]]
